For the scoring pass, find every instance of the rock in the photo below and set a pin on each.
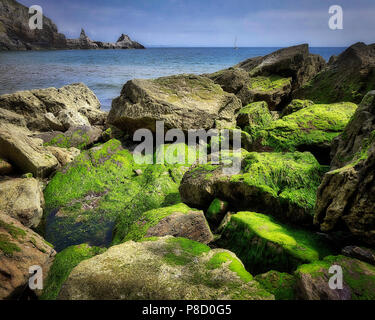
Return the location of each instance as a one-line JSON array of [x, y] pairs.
[[182, 102], [347, 78], [254, 115], [358, 280], [216, 211], [271, 78], [281, 285], [363, 254], [295, 106], [15, 33], [178, 221], [22, 199], [64, 155], [20, 248], [345, 198], [124, 42], [73, 104], [81, 137], [83, 42], [162, 269], [64, 262], [310, 129], [263, 244], [26, 153], [283, 185], [9, 117], [5, 168]]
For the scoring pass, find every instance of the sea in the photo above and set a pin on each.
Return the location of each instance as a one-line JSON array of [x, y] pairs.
[[106, 71]]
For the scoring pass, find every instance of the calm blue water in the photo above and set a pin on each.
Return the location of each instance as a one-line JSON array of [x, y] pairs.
[[106, 71]]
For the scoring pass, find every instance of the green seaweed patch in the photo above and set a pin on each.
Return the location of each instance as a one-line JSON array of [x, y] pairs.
[[14, 231], [6, 246], [268, 83], [281, 285], [64, 263], [64, 141], [263, 244], [235, 265]]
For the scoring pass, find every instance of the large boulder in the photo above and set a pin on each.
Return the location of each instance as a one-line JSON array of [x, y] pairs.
[[345, 199], [283, 185], [23, 200], [358, 280], [162, 269], [20, 248], [15, 33], [52, 109], [26, 153], [182, 102], [346, 78], [264, 244], [271, 78], [178, 220]]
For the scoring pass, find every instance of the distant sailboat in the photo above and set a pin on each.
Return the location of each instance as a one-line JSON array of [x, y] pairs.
[[235, 44]]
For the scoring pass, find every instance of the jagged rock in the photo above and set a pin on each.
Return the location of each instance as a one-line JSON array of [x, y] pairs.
[[271, 78], [358, 280], [15, 33], [10, 117], [5, 167], [26, 153], [74, 104], [124, 42], [20, 248], [347, 78], [182, 102], [345, 197], [64, 155], [360, 253], [263, 244], [83, 42], [283, 185], [22, 199], [162, 269]]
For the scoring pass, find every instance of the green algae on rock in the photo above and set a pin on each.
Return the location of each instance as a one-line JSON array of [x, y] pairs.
[[255, 115], [358, 280], [283, 185], [263, 244], [296, 105], [64, 263], [216, 211], [282, 285], [162, 269]]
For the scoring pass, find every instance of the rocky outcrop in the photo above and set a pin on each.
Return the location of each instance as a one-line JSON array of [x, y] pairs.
[[22, 199], [26, 153], [283, 185], [162, 269], [15, 33], [271, 78], [345, 199], [182, 102], [83, 42], [347, 78], [51, 108], [20, 248], [358, 280]]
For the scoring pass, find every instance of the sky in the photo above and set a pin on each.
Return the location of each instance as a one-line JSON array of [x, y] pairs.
[[185, 23]]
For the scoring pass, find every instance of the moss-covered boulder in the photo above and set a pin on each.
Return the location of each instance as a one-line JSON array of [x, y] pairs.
[[296, 105], [162, 269], [310, 129], [64, 262], [282, 285], [178, 220], [282, 184], [216, 211], [263, 244], [20, 248], [182, 102], [347, 78], [358, 280], [255, 115]]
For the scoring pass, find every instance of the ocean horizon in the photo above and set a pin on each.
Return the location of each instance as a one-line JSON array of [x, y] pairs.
[[106, 71]]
